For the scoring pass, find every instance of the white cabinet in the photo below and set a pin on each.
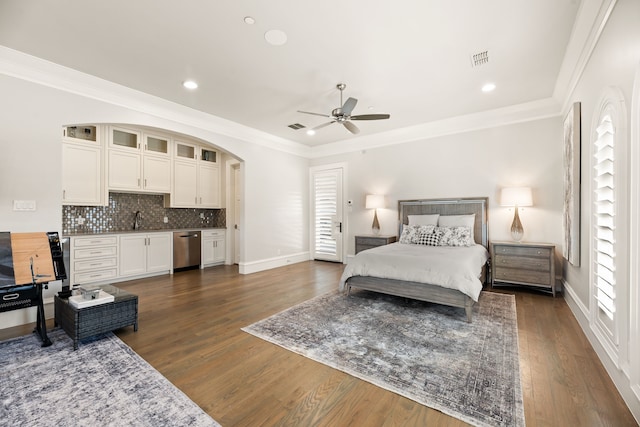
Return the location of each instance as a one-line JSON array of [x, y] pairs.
[[196, 177], [136, 166], [208, 186], [82, 172], [145, 253], [213, 247], [82, 175], [93, 259]]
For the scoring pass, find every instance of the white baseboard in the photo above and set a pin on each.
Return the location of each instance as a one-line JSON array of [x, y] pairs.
[[268, 264], [619, 378]]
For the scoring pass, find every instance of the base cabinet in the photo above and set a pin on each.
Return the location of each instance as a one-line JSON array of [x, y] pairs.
[[213, 247], [145, 253], [94, 259]]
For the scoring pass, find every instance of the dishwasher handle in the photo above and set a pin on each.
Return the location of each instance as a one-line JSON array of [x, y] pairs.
[[189, 235]]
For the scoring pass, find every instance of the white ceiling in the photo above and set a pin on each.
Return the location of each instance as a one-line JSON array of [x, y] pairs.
[[409, 58]]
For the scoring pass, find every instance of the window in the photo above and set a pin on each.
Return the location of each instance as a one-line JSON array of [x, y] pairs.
[[610, 227]]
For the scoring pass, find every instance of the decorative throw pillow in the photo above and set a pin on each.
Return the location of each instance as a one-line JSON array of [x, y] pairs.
[[411, 233], [455, 236], [457, 221], [431, 238]]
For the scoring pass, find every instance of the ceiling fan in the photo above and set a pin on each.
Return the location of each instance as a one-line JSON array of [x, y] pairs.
[[343, 114]]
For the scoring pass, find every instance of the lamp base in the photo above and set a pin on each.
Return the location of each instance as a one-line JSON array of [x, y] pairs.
[[516, 227], [375, 227]]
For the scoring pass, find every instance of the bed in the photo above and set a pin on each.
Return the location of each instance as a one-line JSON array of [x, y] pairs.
[[452, 276]]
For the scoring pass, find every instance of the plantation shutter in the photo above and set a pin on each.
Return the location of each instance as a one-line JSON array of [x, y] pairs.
[[604, 233], [327, 187]]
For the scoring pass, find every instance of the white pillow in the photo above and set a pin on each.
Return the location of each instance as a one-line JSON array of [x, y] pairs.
[[423, 219], [458, 221]]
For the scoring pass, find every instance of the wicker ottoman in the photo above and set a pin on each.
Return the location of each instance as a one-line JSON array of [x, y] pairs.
[[80, 323]]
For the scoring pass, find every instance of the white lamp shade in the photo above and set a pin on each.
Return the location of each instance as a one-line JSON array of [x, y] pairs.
[[516, 196], [374, 201]]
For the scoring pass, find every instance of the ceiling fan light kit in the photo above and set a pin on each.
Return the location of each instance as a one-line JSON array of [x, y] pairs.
[[343, 115]]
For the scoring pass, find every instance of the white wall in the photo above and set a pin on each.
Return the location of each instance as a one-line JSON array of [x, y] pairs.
[[470, 164], [274, 220], [613, 63]]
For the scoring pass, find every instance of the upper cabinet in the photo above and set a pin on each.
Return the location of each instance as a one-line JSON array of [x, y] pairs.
[[138, 161], [82, 171], [196, 179], [99, 159]]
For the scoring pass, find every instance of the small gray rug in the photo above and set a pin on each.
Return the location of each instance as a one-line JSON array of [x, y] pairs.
[[425, 352], [103, 383]]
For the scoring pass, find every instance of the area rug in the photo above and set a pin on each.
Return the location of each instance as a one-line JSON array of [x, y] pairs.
[[103, 383], [425, 352]]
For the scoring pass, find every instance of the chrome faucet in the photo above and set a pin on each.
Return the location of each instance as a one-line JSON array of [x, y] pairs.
[[136, 221]]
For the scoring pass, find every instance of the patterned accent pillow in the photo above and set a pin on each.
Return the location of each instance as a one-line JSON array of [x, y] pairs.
[[431, 238], [455, 236], [411, 233]]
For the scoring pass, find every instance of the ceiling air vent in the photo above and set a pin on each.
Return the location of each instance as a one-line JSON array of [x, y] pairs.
[[479, 58], [296, 126]]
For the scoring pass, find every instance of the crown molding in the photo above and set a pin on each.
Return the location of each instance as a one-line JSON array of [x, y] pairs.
[[530, 111], [30, 68]]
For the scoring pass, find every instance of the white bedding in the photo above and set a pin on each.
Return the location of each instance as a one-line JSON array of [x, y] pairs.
[[450, 267]]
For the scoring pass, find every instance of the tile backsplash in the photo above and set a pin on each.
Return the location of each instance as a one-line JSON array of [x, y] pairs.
[[119, 215]]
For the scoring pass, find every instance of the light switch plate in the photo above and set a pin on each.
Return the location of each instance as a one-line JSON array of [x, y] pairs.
[[24, 205]]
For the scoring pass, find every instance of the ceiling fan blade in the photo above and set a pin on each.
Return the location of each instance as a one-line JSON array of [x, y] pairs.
[[371, 117], [351, 127], [323, 125], [348, 106], [315, 114]]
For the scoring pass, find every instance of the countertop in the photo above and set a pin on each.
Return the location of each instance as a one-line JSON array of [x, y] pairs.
[[163, 230]]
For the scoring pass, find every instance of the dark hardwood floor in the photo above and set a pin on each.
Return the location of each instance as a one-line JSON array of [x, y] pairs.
[[189, 330]]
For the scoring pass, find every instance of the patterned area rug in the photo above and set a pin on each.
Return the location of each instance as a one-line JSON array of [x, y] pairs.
[[103, 383], [425, 352]]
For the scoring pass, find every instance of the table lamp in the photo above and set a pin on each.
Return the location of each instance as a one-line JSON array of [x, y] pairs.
[[516, 197], [375, 201]]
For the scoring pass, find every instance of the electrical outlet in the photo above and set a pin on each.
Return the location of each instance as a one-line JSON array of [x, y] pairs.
[[201, 215], [80, 220], [165, 220]]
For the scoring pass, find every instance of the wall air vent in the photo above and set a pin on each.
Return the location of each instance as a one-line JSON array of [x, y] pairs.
[[296, 126], [480, 58]]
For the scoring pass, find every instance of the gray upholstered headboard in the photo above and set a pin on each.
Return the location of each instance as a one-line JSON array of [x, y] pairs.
[[476, 205]]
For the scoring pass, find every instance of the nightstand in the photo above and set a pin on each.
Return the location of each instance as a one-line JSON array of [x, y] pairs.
[[371, 241], [524, 264]]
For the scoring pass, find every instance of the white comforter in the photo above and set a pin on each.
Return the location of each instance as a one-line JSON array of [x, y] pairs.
[[450, 267]]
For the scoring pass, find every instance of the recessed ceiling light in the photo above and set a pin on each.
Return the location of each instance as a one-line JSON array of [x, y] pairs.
[[249, 20], [275, 37], [311, 132], [488, 87], [190, 84]]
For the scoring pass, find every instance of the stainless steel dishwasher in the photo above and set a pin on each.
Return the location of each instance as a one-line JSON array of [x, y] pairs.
[[186, 249]]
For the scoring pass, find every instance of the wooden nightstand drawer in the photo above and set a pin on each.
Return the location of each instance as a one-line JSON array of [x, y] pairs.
[[512, 275], [523, 251], [522, 262], [368, 242]]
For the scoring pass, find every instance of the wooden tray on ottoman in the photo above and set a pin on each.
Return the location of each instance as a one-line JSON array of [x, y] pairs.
[[80, 323]]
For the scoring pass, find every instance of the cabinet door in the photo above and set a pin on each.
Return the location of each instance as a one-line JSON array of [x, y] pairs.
[[159, 256], [208, 256], [185, 184], [81, 175], [209, 186], [124, 170], [124, 139], [157, 174], [133, 254], [219, 252]]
